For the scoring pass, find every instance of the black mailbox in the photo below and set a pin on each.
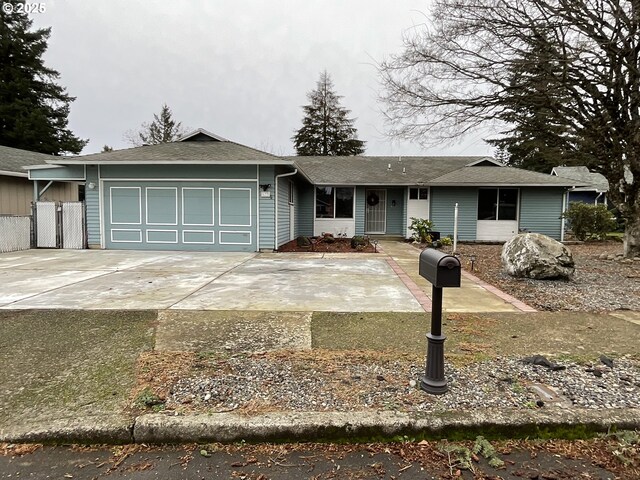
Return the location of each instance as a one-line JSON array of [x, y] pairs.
[[440, 269]]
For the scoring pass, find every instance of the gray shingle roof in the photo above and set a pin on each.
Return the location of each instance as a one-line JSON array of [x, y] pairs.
[[13, 159], [417, 171], [180, 152], [363, 170], [582, 175], [499, 176]]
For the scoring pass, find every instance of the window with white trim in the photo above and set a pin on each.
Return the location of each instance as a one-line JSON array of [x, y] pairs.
[[498, 204], [334, 202]]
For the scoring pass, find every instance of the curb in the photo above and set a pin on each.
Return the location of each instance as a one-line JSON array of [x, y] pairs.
[[353, 427], [381, 426], [85, 430]]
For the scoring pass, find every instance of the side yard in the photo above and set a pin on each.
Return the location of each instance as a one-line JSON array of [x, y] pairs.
[[602, 282]]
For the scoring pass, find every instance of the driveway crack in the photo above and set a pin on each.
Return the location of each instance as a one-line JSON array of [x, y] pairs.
[[211, 281]]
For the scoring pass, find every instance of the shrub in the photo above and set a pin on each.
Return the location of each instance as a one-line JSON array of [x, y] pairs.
[[446, 241], [421, 229], [358, 241], [589, 221]]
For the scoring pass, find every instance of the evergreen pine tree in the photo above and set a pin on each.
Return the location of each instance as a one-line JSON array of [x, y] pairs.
[[326, 128], [34, 109], [536, 141], [162, 129]]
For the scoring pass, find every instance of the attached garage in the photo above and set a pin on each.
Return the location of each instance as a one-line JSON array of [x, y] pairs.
[[195, 215]]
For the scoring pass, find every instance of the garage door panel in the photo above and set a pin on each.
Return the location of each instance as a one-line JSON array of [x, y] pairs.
[[162, 205], [126, 205], [201, 237], [198, 207], [121, 235], [162, 236], [235, 238], [181, 215], [235, 207]]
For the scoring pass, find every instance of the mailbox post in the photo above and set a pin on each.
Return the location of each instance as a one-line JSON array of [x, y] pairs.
[[442, 271]]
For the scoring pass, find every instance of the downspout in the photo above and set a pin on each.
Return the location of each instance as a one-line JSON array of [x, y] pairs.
[[597, 198], [275, 227]]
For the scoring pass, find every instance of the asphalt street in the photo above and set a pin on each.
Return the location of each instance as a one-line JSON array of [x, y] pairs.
[[282, 462]]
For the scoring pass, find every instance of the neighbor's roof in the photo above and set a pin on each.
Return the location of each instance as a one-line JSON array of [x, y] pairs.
[[198, 147], [595, 181], [13, 159], [361, 170]]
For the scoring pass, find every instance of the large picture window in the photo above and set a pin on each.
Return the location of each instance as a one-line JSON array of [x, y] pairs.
[[498, 204], [334, 202]]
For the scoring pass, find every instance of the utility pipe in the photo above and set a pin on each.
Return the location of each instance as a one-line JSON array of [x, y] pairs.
[[455, 228], [562, 219], [275, 227]]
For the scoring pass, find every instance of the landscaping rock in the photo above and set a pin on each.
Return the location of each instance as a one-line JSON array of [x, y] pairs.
[[533, 255]]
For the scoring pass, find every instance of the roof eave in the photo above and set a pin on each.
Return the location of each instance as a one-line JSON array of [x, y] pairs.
[[498, 184], [172, 162], [9, 173]]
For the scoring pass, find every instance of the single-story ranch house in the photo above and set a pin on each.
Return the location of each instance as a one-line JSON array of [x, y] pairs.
[[207, 193]]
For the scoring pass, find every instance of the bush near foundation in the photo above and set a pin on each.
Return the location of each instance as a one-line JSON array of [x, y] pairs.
[[589, 222]]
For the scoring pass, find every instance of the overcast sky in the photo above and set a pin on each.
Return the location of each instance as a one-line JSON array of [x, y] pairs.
[[240, 69]]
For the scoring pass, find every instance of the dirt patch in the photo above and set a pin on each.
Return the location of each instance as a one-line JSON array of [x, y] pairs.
[[232, 331], [319, 244], [598, 285]]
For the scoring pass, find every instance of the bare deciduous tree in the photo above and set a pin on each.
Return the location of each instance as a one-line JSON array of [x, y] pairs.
[[455, 74]]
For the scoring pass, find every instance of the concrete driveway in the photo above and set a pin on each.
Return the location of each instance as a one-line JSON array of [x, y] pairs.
[[109, 279]]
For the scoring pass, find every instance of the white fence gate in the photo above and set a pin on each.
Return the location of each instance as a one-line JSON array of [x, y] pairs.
[[15, 233], [46, 224], [72, 230], [59, 224]]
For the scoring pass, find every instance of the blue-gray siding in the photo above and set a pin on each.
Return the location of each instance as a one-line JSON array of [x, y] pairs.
[[205, 172], [395, 211], [267, 208], [443, 200], [305, 210], [92, 201], [70, 172], [284, 216], [540, 210]]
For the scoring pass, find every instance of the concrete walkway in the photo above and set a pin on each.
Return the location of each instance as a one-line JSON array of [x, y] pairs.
[[474, 295]]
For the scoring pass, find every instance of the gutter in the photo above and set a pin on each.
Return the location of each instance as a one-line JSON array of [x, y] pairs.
[[275, 227]]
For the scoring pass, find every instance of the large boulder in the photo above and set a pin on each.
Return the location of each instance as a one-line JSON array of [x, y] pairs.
[[533, 255]]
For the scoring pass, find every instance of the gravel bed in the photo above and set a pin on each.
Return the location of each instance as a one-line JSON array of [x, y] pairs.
[[602, 282], [253, 385]]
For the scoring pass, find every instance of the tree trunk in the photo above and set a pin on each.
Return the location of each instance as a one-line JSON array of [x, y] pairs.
[[632, 236]]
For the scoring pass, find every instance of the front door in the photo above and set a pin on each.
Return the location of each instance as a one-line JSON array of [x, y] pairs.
[[417, 206], [375, 217]]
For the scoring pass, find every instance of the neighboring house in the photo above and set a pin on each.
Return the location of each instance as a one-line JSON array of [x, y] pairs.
[[594, 185], [207, 193], [17, 191]]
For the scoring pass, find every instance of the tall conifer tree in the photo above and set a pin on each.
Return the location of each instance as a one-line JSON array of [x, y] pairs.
[[34, 109], [326, 128]]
